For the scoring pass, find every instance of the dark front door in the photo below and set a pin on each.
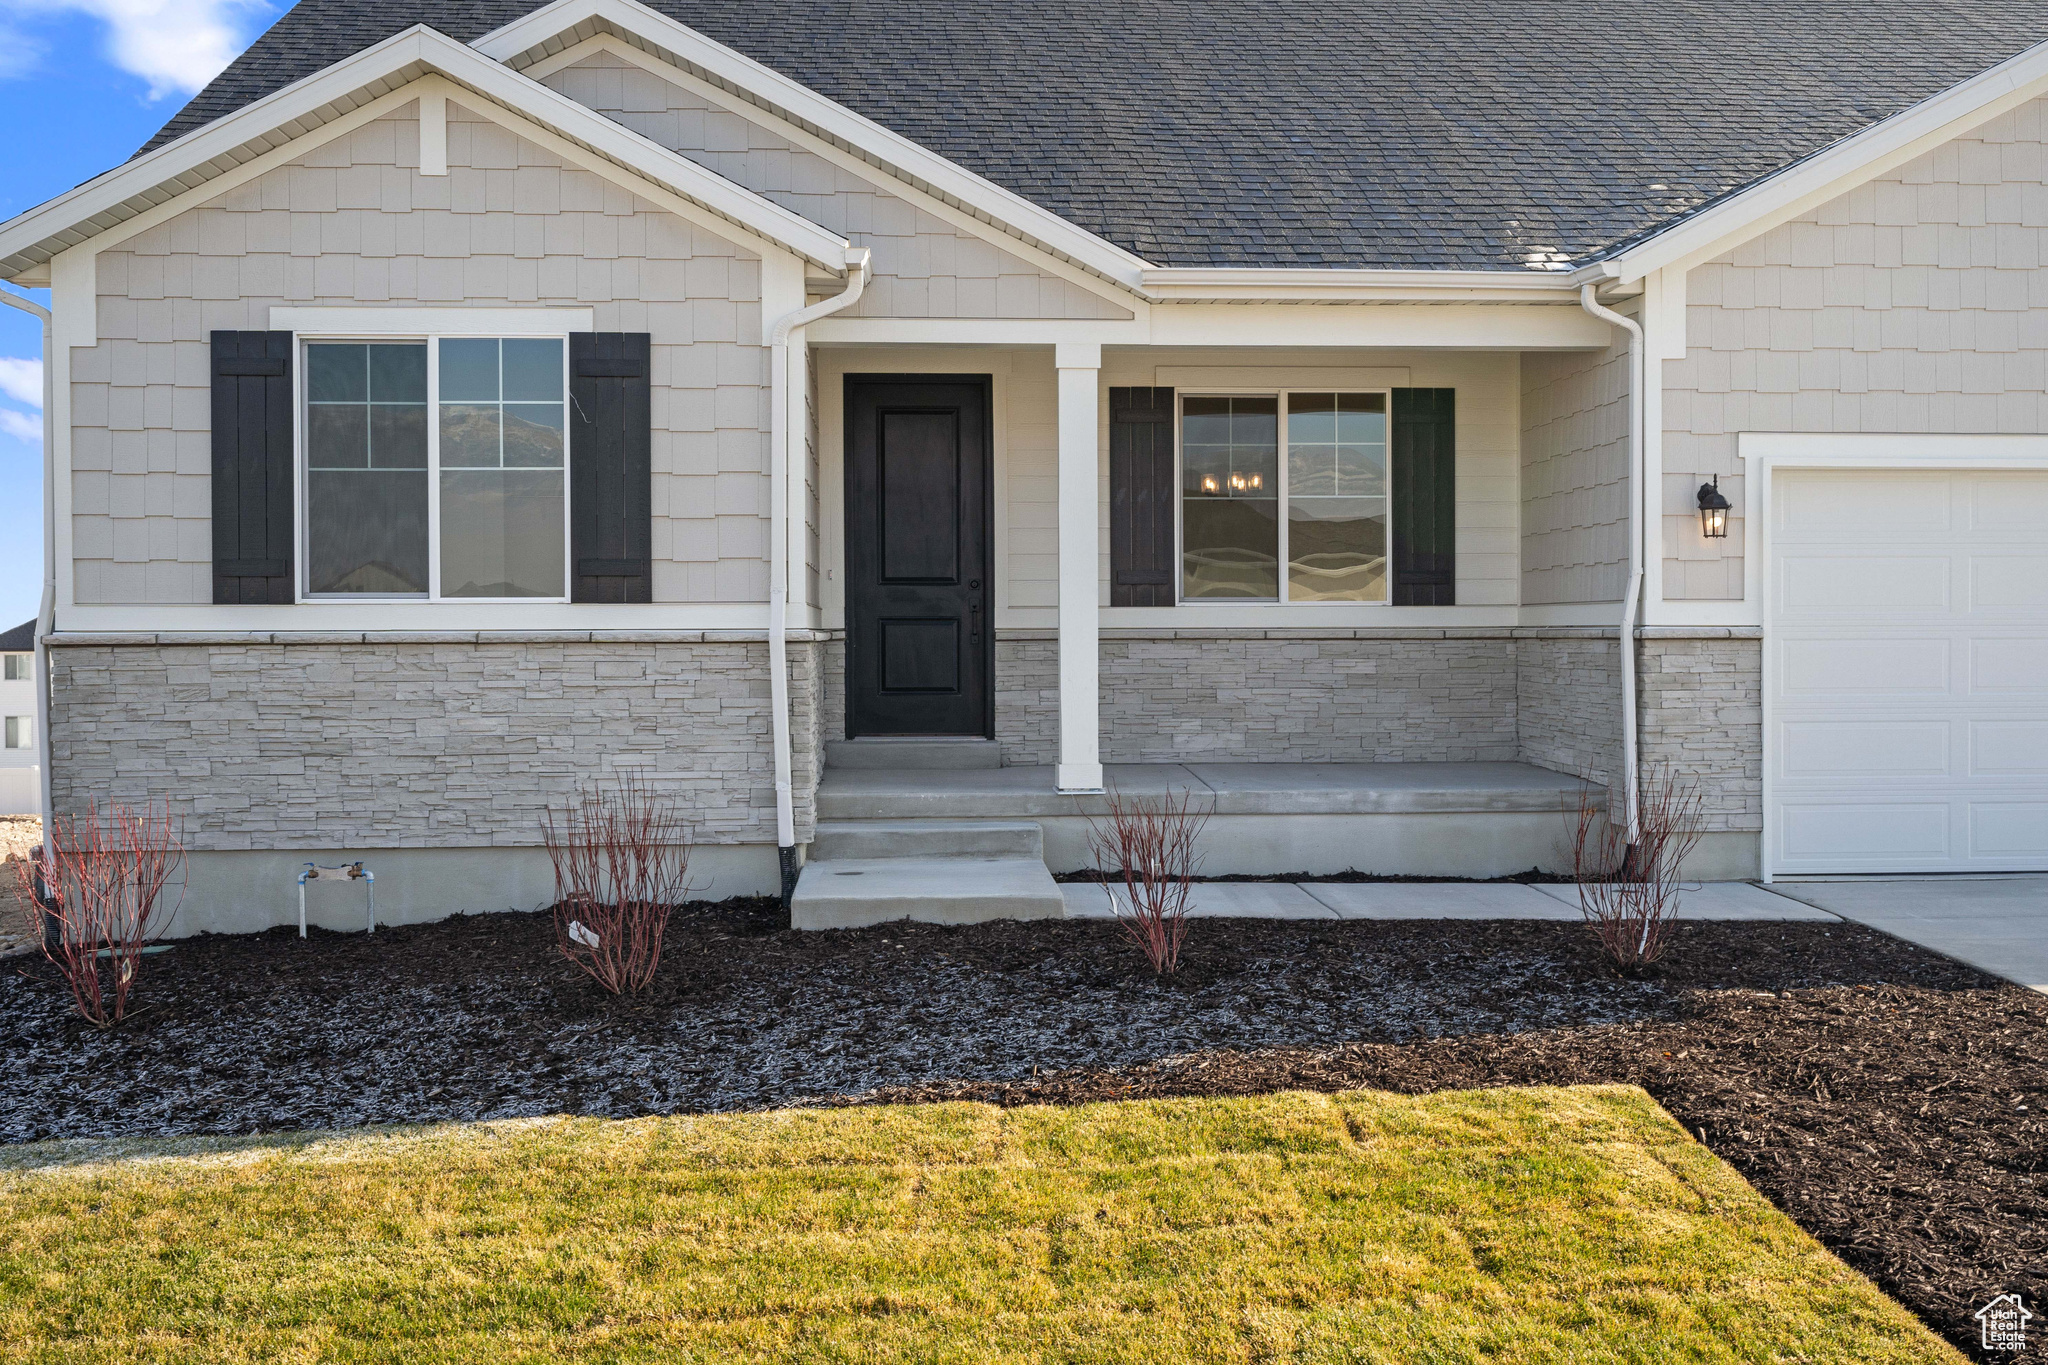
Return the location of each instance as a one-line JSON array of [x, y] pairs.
[[919, 644]]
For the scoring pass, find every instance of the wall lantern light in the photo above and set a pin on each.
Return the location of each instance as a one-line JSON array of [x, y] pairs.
[[1713, 510]]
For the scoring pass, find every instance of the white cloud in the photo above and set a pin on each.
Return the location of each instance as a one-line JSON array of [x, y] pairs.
[[175, 45], [21, 426], [22, 380], [19, 54]]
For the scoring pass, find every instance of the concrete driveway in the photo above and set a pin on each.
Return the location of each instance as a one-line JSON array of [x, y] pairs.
[[1998, 924]]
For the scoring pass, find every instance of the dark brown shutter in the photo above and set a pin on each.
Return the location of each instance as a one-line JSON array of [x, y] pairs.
[[611, 479], [1141, 497], [1425, 490], [252, 467]]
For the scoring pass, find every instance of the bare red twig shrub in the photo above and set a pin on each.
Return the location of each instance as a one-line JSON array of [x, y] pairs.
[[1149, 842], [1629, 894], [622, 864], [103, 900]]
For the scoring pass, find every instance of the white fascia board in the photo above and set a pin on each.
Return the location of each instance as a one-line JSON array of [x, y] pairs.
[[1839, 168], [568, 22], [192, 161], [1511, 326], [1893, 450], [1257, 284]]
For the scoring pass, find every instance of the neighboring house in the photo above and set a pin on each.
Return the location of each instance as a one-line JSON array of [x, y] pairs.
[[20, 777], [458, 402]]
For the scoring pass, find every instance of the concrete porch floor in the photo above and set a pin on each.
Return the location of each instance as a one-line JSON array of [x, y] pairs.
[[1414, 819], [1223, 788]]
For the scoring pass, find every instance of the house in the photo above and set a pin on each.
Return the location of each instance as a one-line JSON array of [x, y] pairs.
[[20, 790], [883, 428]]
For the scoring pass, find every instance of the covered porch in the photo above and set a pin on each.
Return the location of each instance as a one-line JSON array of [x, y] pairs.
[[1011, 583]]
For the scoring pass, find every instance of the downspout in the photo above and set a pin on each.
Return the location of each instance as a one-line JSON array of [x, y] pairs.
[[46, 614], [780, 568], [1633, 597]]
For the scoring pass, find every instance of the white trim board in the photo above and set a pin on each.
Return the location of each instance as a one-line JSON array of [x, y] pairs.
[[437, 321], [1769, 451], [1276, 377], [413, 615], [1893, 450]]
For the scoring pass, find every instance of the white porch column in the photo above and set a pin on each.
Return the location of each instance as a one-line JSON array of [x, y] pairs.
[[1080, 765]]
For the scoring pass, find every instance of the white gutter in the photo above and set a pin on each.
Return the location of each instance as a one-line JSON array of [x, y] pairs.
[[1194, 284], [1637, 525], [46, 614], [780, 568]]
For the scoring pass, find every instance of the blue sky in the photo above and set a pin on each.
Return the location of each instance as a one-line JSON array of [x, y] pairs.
[[83, 83]]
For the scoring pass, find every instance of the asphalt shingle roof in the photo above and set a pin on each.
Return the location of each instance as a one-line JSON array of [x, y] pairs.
[[19, 640], [1471, 134]]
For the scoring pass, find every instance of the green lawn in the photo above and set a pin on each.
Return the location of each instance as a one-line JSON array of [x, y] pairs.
[[1568, 1225]]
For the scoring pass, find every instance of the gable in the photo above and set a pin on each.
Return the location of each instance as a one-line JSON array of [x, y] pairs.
[[418, 60], [1912, 303], [924, 266]]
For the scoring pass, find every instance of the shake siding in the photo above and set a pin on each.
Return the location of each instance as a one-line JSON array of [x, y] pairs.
[[352, 222], [923, 266], [1032, 481], [1916, 303], [1574, 476]]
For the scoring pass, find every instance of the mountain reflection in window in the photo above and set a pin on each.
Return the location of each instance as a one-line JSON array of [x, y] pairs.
[[1337, 497], [366, 468], [502, 468]]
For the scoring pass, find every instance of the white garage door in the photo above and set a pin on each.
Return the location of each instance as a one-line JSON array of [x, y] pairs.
[[1909, 673]]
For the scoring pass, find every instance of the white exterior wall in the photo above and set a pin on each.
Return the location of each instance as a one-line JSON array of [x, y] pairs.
[[1915, 303], [352, 222], [924, 267], [1575, 476]]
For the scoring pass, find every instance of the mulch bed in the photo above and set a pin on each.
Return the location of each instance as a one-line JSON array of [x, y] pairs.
[[1888, 1099], [1535, 876]]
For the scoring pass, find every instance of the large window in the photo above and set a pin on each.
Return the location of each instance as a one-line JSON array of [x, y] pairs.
[[1293, 479], [437, 468]]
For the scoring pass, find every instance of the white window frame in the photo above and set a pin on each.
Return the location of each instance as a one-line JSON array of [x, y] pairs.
[[25, 727], [28, 670], [1285, 492], [303, 481]]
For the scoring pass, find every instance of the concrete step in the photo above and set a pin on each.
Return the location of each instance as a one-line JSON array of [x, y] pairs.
[[847, 893], [919, 753], [927, 839]]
